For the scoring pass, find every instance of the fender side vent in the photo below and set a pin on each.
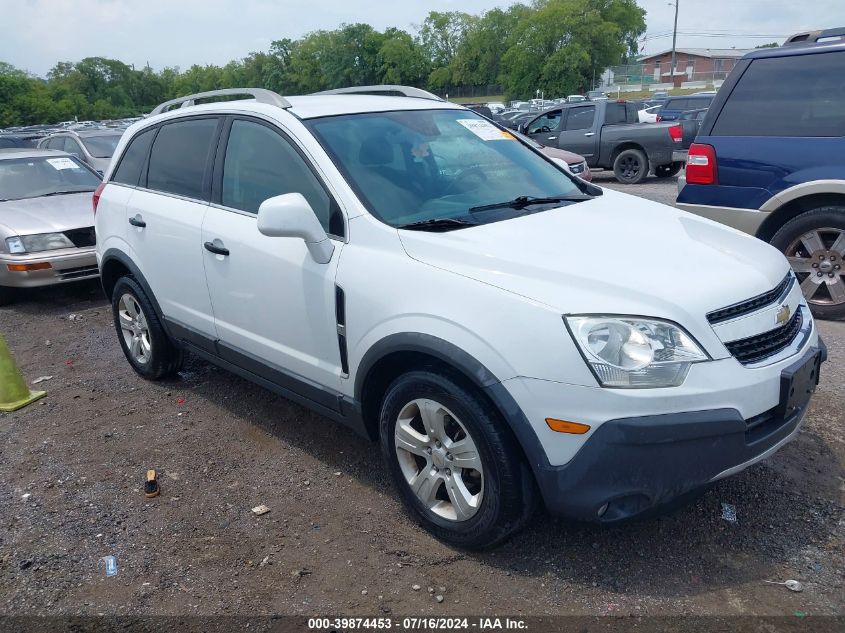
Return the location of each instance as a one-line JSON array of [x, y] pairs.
[[340, 316]]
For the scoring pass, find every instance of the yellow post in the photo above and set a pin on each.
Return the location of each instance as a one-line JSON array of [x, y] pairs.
[[14, 394]]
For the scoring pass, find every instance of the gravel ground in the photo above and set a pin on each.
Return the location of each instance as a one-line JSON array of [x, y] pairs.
[[336, 540]]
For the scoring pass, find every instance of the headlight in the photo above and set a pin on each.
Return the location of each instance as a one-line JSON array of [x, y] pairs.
[[633, 352], [45, 242], [15, 245]]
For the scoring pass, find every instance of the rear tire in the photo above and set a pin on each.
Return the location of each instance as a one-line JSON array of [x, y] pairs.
[[473, 498], [145, 343], [631, 167], [814, 243], [667, 171]]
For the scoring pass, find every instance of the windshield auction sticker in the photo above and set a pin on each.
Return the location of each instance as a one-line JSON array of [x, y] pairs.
[[485, 130], [62, 163]]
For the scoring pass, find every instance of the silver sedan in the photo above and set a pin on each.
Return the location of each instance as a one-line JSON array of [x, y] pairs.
[[46, 220]]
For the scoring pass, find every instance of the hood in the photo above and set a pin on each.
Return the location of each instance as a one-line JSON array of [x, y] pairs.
[[569, 157], [615, 254], [52, 214]]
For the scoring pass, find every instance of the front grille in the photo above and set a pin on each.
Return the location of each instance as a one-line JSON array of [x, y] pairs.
[[78, 272], [82, 237], [753, 304], [762, 346]]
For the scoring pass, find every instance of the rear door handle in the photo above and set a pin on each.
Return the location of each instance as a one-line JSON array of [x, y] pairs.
[[137, 221], [552, 138], [590, 134], [217, 250]]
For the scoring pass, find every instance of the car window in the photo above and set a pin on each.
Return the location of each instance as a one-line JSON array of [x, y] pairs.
[[48, 175], [101, 146], [72, 147], [580, 118], [546, 123], [787, 96], [417, 165], [6, 143], [677, 104], [128, 172], [179, 157], [260, 163]]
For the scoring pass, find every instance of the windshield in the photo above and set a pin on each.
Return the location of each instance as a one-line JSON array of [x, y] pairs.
[[101, 146], [34, 177], [418, 165]]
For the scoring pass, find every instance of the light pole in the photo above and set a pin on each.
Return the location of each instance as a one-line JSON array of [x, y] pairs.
[[674, 38]]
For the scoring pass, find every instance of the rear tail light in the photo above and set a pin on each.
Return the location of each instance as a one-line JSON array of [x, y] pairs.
[[659, 118], [701, 165], [677, 133], [95, 200]]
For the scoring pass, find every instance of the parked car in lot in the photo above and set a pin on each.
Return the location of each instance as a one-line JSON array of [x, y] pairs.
[[19, 140], [675, 106], [369, 257], [770, 159], [94, 147], [46, 223], [575, 98], [608, 135], [573, 163], [649, 114], [596, 95], [690, 123]]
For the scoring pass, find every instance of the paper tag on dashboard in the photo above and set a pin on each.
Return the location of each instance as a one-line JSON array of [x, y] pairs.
[[62, 163], [485, 130]]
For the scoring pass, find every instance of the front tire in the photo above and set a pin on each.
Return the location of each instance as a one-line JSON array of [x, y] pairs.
[[667, 171], [457, 466], [631, 167], [814, 243], [145, 343]]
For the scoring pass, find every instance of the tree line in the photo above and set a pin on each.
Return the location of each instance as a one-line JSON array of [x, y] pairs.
[[555, 46]]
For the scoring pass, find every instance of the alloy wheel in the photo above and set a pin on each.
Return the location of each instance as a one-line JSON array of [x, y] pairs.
[[439, 459], [133, 326], [816, 257]]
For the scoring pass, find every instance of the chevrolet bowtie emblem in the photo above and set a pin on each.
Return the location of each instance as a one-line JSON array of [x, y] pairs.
[[783, 314]]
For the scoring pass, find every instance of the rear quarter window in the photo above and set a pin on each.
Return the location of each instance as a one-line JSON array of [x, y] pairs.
[[803, 95], [128, 172]]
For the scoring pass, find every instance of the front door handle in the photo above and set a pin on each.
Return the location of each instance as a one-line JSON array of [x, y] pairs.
[[590, 134], [552, 138], [217, 250], [137, 221]]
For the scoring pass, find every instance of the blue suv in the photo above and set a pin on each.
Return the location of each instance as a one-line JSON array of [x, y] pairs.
[[769, 159]]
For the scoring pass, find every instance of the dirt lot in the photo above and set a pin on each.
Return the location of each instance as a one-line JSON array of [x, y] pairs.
[[336, 540]]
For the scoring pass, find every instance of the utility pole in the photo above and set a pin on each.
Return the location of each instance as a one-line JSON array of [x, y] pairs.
[[674, 38]]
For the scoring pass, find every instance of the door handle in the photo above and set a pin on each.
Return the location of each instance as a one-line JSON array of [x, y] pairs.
[[217, 250], [552, 138], [137, 221], [590, 134]]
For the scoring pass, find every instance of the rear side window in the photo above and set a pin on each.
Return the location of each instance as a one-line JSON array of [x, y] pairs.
[[802, 95], [580, 118], [260, 164], [179, 157], [128, 172], [677, 104]]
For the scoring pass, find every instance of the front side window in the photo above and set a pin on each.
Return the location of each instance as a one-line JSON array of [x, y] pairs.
[[261, 164], [546, 123], [580, 118], [787, 96], [179, 157], [43, 176], [423, 165]]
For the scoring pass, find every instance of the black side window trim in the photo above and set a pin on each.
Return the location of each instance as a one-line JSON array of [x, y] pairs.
[[220, 158]]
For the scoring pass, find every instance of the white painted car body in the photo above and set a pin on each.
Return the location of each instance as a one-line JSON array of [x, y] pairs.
[[497, 292]]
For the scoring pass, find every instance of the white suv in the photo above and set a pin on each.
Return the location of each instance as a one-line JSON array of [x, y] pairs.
[[507, 332]]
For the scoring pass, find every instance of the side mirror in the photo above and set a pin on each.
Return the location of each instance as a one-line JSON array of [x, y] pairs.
[[522, 128], [290, 215]]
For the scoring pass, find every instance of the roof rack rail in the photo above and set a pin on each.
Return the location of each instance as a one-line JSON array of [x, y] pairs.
[[383, 89], [813, 37], [259, 94]]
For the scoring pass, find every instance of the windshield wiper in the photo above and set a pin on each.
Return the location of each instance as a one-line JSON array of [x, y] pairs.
[[62, 193], [520, 202], [437, 224]]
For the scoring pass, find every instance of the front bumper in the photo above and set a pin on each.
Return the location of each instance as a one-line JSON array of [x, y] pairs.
[[66, 265], [631, 465]]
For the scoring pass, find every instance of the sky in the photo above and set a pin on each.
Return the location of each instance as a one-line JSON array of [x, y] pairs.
[[35, 34]]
